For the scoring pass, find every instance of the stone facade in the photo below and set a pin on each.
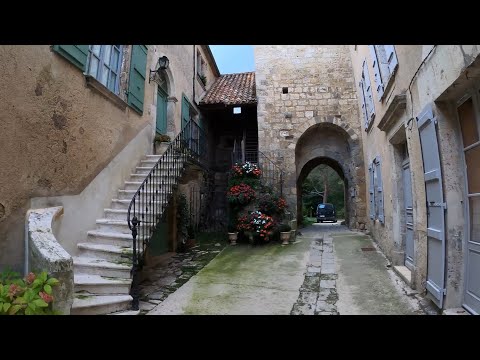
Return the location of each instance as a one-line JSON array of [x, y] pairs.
[[59, 133], [306, 93], [427, 77]]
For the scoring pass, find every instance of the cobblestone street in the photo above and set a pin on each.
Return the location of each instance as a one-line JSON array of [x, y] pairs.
[[308, 277]]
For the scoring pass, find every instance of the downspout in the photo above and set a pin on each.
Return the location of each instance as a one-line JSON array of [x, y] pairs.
[[193, 82]]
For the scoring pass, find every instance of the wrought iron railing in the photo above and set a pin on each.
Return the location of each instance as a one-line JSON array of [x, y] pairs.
[[272, 174], [148, 206]]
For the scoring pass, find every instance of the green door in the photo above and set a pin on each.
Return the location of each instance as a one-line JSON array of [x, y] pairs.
[[185, 111], [161, 112]]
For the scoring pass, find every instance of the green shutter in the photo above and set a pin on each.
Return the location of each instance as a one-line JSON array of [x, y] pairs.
[[76, 54], [136, 82], [185, 111]]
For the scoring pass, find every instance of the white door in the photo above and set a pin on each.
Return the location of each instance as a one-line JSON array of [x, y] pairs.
[[468, 115]]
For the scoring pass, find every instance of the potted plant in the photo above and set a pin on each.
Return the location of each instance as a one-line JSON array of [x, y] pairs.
[[285, 233], [232, 234], [190, 237], [160, 143]]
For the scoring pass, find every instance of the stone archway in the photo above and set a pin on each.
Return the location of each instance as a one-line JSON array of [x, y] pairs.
[[333, 145], [307, 168]]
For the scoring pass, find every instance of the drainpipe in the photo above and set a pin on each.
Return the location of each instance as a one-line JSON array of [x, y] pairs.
[[193, 82]]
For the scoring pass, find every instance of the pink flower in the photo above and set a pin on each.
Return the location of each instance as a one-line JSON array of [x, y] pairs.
[[30, 278], [13, 290], [47, 298]]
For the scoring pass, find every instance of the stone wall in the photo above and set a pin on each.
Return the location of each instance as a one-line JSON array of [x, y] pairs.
[[321, 95], [46, 254]]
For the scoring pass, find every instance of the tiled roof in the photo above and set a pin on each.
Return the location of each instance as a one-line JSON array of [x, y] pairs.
[[232, 89]]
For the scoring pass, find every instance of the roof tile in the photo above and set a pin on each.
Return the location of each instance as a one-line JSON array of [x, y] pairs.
[[232, 89]]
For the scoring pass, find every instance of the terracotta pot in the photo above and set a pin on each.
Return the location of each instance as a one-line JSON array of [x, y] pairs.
[[233, 238], [285, 236]]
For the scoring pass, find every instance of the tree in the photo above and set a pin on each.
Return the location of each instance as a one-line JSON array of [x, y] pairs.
[[323, 185]]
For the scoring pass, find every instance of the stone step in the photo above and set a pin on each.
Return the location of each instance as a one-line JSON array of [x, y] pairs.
[[164, 171], [99, 304], [118, 204], [118, 214], [96, 284], [120, 226], [162, 179], [92, 266], [128, 194], [107, 252], [109, 238], [158, 176], [152, 157], [126, 312]]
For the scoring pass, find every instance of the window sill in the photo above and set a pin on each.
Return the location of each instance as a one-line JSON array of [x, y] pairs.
[[103, 90]]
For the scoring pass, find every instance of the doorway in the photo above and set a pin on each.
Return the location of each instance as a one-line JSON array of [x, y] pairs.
[[469, 118], [161, 121]]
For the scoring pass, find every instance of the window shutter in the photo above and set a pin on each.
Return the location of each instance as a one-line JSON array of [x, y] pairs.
[[76, 54], [429, 139], [368, 93], [364, 105], [136, 82], [379, 190], [376, 70], [185, 111], [391, 58], [372, 192]]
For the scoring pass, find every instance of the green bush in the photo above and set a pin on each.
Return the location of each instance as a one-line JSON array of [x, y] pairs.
[[284, 228], [31, 295]]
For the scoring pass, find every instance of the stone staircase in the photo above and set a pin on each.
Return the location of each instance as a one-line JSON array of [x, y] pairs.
[[102, 270]]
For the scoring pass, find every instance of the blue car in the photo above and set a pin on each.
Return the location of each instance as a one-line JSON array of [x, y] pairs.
[[326, 212]]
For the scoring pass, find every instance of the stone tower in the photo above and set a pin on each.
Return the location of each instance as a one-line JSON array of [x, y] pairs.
[[308, 115]]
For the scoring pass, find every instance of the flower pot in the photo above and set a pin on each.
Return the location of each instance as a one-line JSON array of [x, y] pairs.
[[285, 236], [190, 243], [233, 238], [292, 235], [161, 147]]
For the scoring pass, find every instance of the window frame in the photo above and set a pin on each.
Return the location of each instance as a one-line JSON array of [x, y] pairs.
[[101, 64], [383, 68]]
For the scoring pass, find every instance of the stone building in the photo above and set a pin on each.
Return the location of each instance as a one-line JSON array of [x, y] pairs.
[[77, 131], [419, 115], [308, 115], [400, 125]]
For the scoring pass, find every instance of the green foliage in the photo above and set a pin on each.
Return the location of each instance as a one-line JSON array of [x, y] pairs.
[[284, 228], [314, 184], [31, 295], [161, 138]]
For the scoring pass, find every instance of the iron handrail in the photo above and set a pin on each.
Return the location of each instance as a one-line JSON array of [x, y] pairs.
[[148, 206]]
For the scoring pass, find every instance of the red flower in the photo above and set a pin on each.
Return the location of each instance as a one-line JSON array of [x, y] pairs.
[[13, 290], [47, 298], [30, 278]]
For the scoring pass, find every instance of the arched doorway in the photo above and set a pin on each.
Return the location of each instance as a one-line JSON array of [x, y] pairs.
[[330, 144], [323, 194]]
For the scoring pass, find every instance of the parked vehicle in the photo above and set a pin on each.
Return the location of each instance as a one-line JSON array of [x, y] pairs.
[[326, 212]]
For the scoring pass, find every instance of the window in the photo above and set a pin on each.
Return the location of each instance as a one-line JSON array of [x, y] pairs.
[[376, 190], [384, 64], [200, 64], [368, 107], [104, 63]]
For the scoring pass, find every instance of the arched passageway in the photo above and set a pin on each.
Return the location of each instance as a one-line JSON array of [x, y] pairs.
[[304, 174], [330, 144]]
